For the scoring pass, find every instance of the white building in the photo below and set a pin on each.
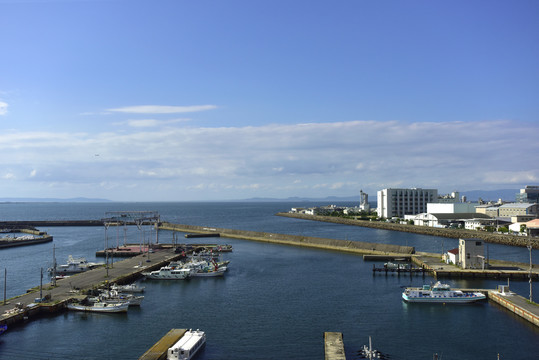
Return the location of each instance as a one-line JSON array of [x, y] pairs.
[[451, 208], [471, 253], [401, 202]]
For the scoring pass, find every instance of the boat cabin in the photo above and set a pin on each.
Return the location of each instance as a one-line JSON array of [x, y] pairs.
[[187, 346]]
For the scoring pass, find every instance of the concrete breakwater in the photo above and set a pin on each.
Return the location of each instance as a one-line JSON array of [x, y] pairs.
[[512, 240], [296, 240]]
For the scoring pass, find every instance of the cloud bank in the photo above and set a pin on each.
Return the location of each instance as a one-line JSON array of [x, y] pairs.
[[319, 159]]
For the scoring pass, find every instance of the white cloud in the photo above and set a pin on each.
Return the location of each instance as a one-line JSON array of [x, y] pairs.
[[305, 160], [3, 108], [161, 109], [151, 122]]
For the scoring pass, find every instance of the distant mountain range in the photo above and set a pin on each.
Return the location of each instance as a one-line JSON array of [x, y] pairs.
[[472, 195]]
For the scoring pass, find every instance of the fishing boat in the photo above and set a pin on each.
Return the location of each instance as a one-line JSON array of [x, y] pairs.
[[100, 307], [188, 345], [114, 297], [74, 266], [203, 268], [441, 293], [168, 273], [129, 288]]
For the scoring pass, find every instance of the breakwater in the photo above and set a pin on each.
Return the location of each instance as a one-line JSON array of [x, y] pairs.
[[503, 239], [296, 240]]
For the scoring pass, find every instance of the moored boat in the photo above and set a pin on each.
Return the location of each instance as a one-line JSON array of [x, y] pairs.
[[3, 328], [188, 345], [113, 297], [168, 273], [441, 293], [74, 266], [129, 288], [100, 307]]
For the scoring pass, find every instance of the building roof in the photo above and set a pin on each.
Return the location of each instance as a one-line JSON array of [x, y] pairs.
[[460, 216], [532, 224], [454, 251], [517, 205]]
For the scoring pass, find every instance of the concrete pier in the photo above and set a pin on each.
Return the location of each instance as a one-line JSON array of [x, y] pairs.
[[122, 272], [356, 247], [517, 305], [334, 346], [159, 350]]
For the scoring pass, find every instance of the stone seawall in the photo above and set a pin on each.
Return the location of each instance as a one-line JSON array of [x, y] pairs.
[[423, 230], [296, 240]]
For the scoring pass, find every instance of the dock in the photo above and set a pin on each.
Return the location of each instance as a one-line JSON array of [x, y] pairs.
[[334, 346], [517, 305], [159, 350], [25, 307]]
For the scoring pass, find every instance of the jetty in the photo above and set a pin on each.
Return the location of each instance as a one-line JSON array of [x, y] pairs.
[[52, 299], [33, 237], [333, 346], [159, 350], [504, 239]]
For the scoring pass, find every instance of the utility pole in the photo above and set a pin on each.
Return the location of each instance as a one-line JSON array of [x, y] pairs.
[[5, 282], [41, 286], [530, 250]]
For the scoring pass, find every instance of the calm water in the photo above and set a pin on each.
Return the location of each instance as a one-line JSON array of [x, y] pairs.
[[275, 302]]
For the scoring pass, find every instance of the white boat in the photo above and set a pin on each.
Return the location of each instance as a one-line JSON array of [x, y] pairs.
[[202, 268], [113, 297], [101, 307], [441, 293], [74, 266], [168, 273], [188, 345], [130, 288]]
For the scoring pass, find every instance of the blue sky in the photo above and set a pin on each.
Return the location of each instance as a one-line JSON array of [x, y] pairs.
[[215, 100]]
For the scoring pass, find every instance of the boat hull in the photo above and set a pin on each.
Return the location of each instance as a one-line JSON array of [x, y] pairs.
[[468, 298], [105, 308]]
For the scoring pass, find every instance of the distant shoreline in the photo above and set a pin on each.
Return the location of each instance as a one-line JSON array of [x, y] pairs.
[[511, 240]]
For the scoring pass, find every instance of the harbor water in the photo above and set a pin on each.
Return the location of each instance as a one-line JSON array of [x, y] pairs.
[[275, 301]]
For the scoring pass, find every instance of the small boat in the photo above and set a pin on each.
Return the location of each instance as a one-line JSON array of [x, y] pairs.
[[441, 293], [74, 266], [129, 288], [168, 273], [101, 307], [3, 329], [188, 345], [113, 297], [203, 268]]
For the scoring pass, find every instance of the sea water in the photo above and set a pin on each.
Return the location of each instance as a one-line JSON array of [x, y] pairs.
[[275, 301]]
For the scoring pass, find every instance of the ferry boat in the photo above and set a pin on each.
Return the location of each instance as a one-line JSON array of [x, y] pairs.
[[440, 293], [187, 346], [168, 273]]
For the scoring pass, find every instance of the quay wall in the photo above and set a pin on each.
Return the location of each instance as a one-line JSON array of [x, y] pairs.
[[512, 240], [296, 240], [518, 309], [5, 243]]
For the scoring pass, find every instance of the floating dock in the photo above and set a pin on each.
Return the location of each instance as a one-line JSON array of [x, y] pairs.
[[159, 350]]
